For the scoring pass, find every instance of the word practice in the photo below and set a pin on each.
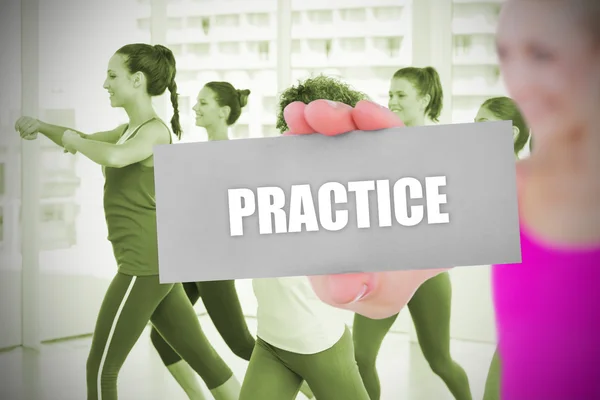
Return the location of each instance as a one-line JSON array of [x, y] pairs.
[[269, 204]]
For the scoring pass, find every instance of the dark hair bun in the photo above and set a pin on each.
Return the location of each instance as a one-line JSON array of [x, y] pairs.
[[243, 96]]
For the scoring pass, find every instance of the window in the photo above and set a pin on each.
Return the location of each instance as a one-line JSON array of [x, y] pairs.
[[296, 18], [462, 44], [227, 21], [389, 45], [59, 174], [387, 13], [58, 226], [229, 48], [263, 50], [52, 213], [320, 17], [175, 23], [353, 15], [477, 17], [393, 46], [199, 49], [199, 23], [353, 45], [320, 46], [258, 19]]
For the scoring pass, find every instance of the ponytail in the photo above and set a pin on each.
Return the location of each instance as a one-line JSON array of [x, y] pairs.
[[175, 124], [433, 87]]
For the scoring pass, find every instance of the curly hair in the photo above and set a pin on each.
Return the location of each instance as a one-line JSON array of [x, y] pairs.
[[317, 88]]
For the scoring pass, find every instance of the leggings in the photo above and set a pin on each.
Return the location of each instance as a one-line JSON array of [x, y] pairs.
[[223, 306], [275, 374], [492, 384], [129, 304], [430, 311]]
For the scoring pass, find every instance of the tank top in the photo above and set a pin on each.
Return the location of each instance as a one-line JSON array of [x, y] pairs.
[[548, 319], [130, 212], [291, 317]]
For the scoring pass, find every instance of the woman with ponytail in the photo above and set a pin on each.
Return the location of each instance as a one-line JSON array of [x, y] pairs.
[[218, 106], [502, 109], [136, 73], [416, 97]]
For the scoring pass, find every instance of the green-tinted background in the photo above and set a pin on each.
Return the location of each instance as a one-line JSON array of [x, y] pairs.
[[60, 77]]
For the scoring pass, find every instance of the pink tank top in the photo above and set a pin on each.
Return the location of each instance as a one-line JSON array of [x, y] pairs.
[[548, 322]]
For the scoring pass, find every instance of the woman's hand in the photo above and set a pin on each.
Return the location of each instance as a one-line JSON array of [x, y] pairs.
[[28, 127], [372, 294], [68, 140]]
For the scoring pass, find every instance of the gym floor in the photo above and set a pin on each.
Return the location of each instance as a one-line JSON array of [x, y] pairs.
[[57, 372]]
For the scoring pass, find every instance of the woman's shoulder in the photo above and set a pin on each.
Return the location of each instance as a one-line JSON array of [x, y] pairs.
[[156, 127]]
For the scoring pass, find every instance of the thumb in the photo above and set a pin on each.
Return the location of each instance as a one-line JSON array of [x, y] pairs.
[[349, 288]]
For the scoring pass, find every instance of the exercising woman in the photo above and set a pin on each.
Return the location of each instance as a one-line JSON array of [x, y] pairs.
[[415, 95], [218, 106], [136, 73], [547, 310], [299, 337], [502, 109]]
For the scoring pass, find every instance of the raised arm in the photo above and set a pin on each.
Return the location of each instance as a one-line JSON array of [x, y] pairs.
[[138, 148], [55, 133], [28, 127]]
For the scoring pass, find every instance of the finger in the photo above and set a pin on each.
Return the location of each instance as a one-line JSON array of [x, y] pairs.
[[329, 118], [29, 131], [30, 127], [25, 133], [369, 116], [29, 137], [293, 114], [21, 123]]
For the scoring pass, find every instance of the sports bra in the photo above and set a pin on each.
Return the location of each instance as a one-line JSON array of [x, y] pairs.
[[548, 322]]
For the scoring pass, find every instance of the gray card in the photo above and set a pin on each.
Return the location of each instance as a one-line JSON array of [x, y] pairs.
[[394, 199]]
